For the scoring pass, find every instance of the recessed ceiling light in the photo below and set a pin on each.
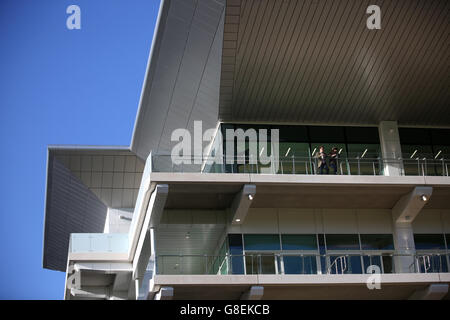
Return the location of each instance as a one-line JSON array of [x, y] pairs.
[[424, 198], [238, 220], [250, 197]]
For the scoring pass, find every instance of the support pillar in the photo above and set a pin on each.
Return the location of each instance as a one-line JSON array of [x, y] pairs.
[[391, 150], [403, 214]]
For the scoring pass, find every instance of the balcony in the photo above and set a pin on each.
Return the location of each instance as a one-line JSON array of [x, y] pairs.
[[301, 165], [299, 264], [98, 246]]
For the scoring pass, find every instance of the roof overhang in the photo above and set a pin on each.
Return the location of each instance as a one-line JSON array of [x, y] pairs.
[[312, 61]]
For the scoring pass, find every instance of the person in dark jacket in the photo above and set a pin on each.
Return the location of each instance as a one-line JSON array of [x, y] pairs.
[[334, 155], [322, 161]]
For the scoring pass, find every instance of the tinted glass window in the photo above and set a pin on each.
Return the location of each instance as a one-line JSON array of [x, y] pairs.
[[362, 135], [324, 134], [440, 136], [414, 136], [262, 242], [299, 242], [377, 242], [235, 247], [292, 133], [429, 241], [342, 242]]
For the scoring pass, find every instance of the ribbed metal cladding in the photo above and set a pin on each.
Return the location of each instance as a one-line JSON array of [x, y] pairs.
[[315, 61], [71, 208]]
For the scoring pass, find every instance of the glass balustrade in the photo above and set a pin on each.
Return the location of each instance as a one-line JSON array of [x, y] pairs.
[[300, 165], [294, 263]]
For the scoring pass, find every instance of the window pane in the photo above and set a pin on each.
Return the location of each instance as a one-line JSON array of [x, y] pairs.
[[342, 242], [326, 134], [414, 152], [363, 151], [300, 264], [362, 135], [387, 264], [429, 241], [235, 247], [414, 136], [299, 241], [370, 261], [294, 158], [261, 242], [377, 242], [440, 136], [267, 263], [260, 264], [354, 265], [292, 133]]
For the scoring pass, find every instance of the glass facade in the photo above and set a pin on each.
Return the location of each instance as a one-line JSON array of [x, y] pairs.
[[425, 150], [299, 147], [438, 245], [236, 251], [262, 242], [377, 242], [429, 241], [309, 253]]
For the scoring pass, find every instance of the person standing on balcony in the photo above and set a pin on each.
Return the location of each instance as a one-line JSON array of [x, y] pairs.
[[334, 155], [322, 163]]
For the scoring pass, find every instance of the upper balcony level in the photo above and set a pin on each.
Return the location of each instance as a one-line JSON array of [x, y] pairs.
[[301, 165], [310, 150]]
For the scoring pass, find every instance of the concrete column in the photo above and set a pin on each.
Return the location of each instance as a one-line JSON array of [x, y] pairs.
[[404, 245], [403, 214], [390, 148]]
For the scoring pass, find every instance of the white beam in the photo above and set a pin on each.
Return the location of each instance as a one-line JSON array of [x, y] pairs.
[[432, 292], [409, 206], [91, 292], [151, 220], [241, 203], [254, 293], [165, 293]]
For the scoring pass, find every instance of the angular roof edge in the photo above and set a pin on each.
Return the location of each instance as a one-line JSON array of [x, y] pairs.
[[149, 72]]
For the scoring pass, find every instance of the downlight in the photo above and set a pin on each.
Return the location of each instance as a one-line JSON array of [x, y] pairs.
[[424, 198], [250, 197]]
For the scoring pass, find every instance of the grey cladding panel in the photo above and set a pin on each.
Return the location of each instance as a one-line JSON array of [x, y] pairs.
[[183, 75], [71, 208]]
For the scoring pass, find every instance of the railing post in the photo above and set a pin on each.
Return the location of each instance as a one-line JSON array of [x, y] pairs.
[[293, 164]]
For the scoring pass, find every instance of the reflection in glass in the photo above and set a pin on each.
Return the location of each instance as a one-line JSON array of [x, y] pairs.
[[342, 242], [262, 242], [377, 242], [429, 241], [299, 242], [300, 264], [236, 250]]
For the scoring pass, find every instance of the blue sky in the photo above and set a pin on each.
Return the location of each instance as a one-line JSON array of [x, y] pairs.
[[60, 86]]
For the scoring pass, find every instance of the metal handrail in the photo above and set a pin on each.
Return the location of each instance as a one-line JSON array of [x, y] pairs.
[[299, 165], [343, 263], [340, 264]]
